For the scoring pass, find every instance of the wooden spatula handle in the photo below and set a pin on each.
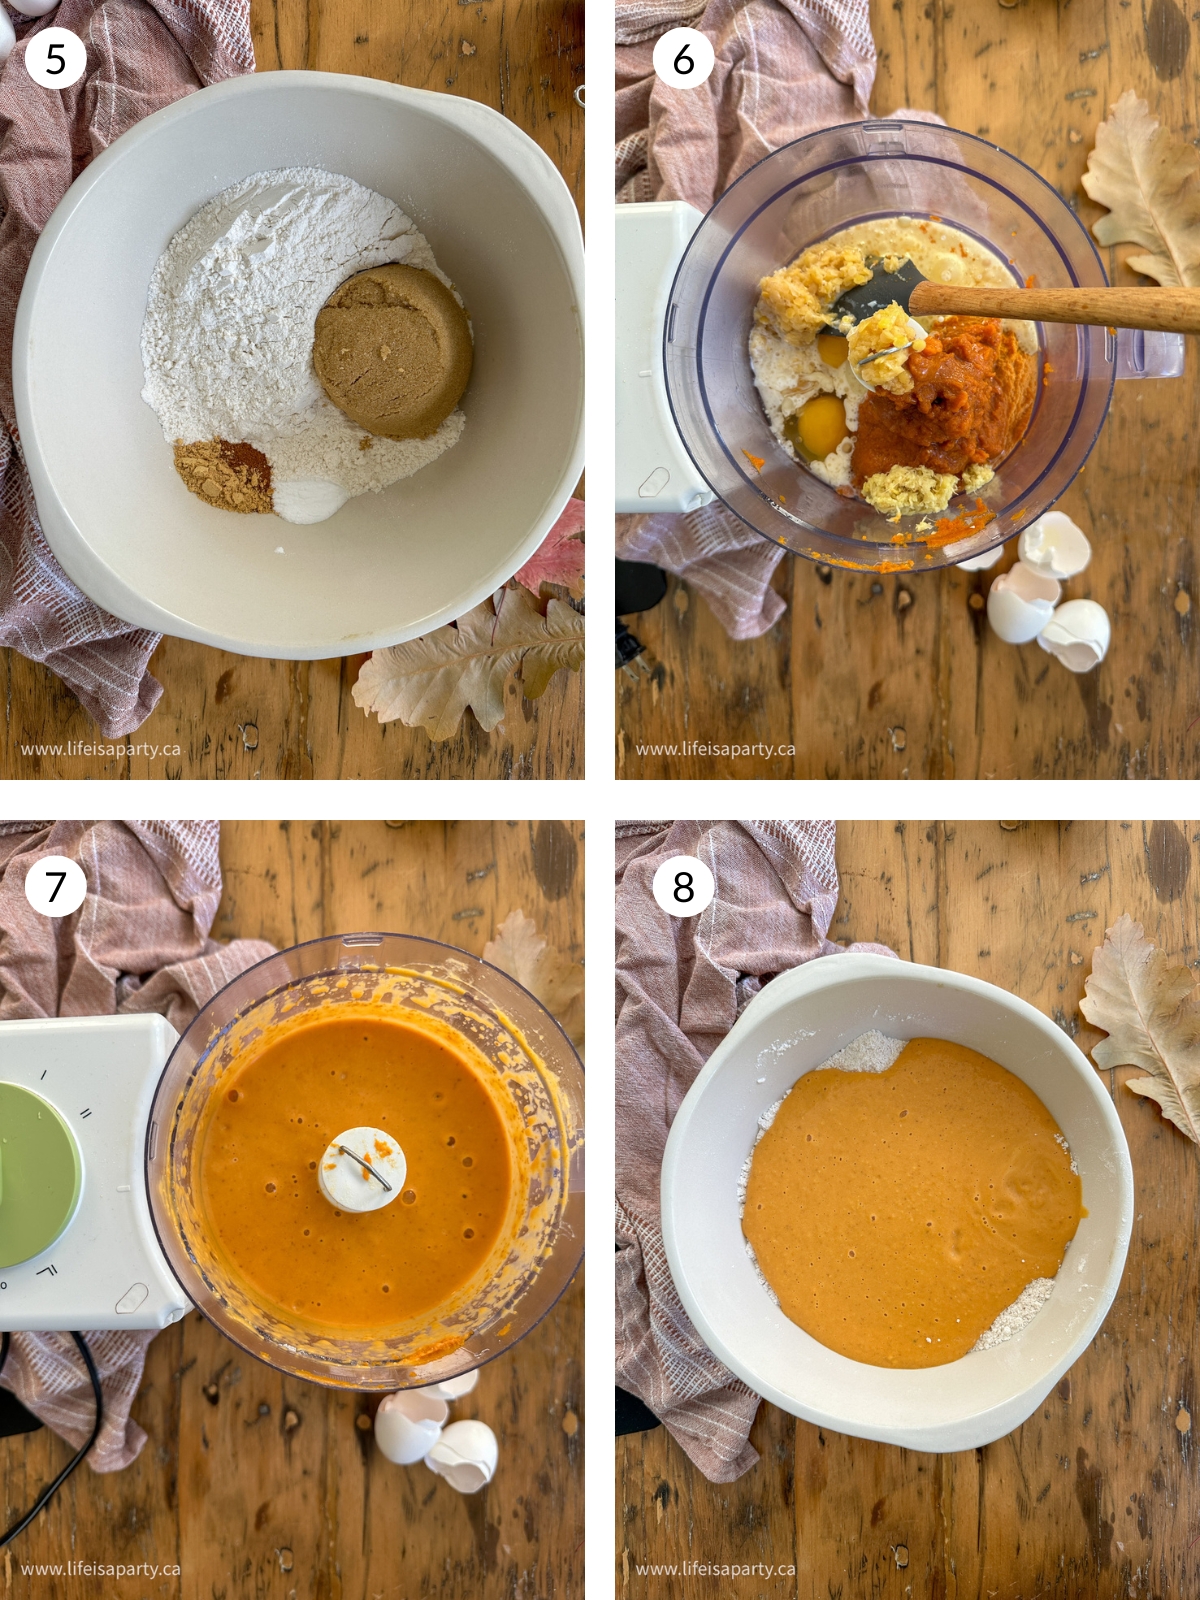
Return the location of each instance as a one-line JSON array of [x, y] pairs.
[[1164, 310]]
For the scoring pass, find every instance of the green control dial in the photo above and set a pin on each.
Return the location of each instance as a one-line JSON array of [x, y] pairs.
[[40, 1174]]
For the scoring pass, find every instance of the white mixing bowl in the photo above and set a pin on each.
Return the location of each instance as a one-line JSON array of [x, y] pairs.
[[388, 566], [797, 1022]]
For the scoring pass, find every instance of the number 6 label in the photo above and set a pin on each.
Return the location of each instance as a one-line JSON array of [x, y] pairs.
[[56, 58], [683, 58], [55, 886], [684, 887]]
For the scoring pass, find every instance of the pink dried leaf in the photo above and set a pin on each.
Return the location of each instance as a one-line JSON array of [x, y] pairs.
[[559, 557]]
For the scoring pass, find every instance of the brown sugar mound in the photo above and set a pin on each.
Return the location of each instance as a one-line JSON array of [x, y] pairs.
[[393, 351], [232, 477]]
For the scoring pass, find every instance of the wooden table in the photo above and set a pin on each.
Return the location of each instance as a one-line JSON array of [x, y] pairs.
[[899, 676], [238, 717], [250, 1507], [1095, 1497]]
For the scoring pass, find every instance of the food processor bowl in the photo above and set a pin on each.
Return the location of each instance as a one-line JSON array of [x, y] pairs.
[[798, 196], [536, 1078]]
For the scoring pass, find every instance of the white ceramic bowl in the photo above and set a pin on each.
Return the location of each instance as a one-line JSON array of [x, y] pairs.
[[798, 1021], [387, 567]]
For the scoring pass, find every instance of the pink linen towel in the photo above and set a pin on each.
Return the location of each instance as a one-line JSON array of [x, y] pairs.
[[142, 55], [140, 942], [784, 68], [681, 985]]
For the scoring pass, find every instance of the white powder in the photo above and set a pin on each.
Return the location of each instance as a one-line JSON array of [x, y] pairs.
[[876, 1052], [228, 335], [1018, 1315]]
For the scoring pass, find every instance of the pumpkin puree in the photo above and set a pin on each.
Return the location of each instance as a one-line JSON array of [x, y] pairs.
[[971, 400]]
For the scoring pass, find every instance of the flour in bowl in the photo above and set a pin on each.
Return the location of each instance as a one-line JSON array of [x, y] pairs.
[[227, 341]]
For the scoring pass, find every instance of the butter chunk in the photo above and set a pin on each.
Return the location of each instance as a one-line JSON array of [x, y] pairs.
[[884, 330], [795, 301], [901, 490]]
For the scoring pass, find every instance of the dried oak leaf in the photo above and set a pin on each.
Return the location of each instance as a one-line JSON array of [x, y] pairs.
[[1150, 182], [1151, 1013], [521, 951], [431, 681], [559, 557]]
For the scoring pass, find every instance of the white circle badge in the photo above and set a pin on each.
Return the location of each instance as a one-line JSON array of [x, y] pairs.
[[684, 58], [56, 58], [684, 887], [55, 886]]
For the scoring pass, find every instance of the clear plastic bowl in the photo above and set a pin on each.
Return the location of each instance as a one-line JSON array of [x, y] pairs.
[[534, 1064], [802, 194]]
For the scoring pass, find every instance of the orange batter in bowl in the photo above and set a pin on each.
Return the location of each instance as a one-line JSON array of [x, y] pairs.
[[285, 1099], [896, 1214]]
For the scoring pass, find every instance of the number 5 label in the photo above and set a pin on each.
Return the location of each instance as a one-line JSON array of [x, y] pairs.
[[683, 58], [55, 886], [56, 58], [684, 887]]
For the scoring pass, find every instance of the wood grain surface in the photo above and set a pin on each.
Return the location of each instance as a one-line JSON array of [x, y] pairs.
[[251, 1504], [899, 676], [1096, 1496], [227, 716]]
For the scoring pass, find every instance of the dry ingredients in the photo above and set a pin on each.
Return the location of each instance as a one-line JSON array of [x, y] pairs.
[[911, 429], [956, 1202], [227, 340]]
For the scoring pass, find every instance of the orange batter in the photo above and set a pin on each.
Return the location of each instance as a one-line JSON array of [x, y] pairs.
[[897, 1214], [277, 1110], [972, 397]]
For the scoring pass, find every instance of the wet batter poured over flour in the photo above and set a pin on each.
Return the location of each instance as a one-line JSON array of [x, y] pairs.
[[897, 1214]]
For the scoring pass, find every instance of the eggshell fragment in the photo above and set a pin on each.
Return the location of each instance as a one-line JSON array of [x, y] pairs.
[[408, 1425], [1054, 546], [33, 8], [1020, 603], [8, 37], [465, 1455], [453, 1388], [1078, 635], [981, 563]]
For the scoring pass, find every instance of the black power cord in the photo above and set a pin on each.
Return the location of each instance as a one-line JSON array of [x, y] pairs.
[[48, 1493]]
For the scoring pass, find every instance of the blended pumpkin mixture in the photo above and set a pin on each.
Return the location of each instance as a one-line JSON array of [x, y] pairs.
[[896, 1214], [279, 1107]]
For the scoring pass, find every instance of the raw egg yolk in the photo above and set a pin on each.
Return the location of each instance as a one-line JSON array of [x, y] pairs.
[[818, 427], [832, 348]]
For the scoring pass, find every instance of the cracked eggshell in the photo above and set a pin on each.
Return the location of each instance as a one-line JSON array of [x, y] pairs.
[[453, 1388], [8, 37], [465, 1455], [981, 563], [1020, 603], [1055, 546], [1078, 635], [408, 1425]]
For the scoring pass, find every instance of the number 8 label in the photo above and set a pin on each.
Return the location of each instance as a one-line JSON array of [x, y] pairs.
[[684, 886], [683, 58]]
